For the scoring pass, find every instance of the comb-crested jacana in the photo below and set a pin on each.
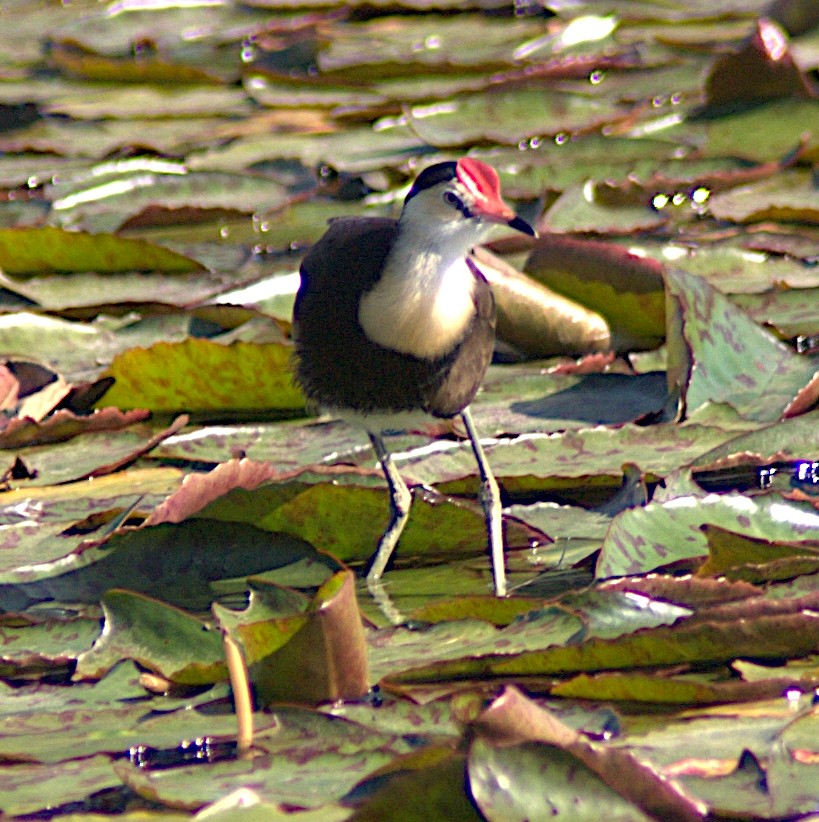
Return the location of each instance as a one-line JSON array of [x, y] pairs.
[[393, 316]]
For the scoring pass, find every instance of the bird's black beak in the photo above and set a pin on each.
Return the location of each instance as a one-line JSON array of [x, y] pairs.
[[519, 224]]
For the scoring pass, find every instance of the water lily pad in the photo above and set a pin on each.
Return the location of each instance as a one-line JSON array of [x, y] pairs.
[[31, 788], [578, 210], [174, 562], [112, 101], [721, 355], [76, 140], [729, 266], [513, 718], [510, 782], [789, 197], [95, 454], [34, 648], [89, 719], [205, 376], [308, 760], [691, 641], [160, 638], [517, 462], [109, 201], [760, 134], [642, 539], [45, 250], [507, 117]]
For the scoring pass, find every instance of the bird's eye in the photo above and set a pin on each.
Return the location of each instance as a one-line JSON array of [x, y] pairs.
[[452, 198]]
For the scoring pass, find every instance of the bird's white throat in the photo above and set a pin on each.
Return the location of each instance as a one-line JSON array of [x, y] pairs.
[[422, 304]]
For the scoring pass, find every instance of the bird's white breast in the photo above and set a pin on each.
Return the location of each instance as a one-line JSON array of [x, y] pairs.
[[422, 305]]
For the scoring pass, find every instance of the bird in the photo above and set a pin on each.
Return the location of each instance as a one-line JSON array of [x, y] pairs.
[[393, 317]]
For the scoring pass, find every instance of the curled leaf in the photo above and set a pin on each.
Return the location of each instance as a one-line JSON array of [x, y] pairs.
[[624, 289], [197, 490], [763, 69], [535, 319], [319, 655], [513, 719], [63, 425]]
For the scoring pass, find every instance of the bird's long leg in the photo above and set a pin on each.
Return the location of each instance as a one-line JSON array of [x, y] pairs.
[[400, 502], [491, 503]]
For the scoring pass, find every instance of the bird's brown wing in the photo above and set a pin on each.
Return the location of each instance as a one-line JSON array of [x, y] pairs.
[[462, 372]]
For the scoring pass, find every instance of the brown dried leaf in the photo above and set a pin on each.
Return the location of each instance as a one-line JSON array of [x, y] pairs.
[[512, 719], [63, 425], [763, 69]]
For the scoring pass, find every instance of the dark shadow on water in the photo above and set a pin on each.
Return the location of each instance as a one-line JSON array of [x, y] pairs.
[[602, 399]]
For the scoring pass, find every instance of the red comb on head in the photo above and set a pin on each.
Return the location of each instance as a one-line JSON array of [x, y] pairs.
[[479, 178]]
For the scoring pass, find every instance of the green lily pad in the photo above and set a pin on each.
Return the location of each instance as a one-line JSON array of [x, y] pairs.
[[160, 638], [510, 783], [46, 250], [661, 533], [721, 355], [35, 648], [28, 788], [205, 376], [309, 759], [507, 117], [691, 641], [788, 197]]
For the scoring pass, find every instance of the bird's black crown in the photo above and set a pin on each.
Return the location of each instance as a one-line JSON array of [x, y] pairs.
[[432, 176]]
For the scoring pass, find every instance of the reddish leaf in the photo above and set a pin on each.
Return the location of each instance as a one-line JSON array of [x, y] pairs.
[[179, 423], [512, 719], [764, 69], [9, 388], [63, 425], [197, 490]]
